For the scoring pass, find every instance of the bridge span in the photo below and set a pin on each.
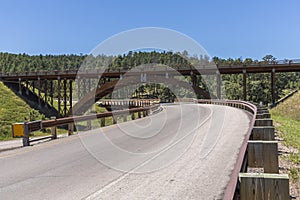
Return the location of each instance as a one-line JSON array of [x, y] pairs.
[[193, 154], [40, 88]]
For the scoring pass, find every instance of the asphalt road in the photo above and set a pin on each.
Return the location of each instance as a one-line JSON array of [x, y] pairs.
[[186, 151]]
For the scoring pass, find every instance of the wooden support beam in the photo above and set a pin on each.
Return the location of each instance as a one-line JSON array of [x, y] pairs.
[[51, 92], [244, 85], [20, 86], [53, 130], [263, 154], [103, 122], [39, 91], [46, 91], [263, 122], [65, 96], [263, 133], [89, 125], [27, 87], [70, 129], [263, 116], [70, 95], [264, 186], [218, 85], [273, 86], [58, 95], [115, 119], [26, 141], [78, 88]]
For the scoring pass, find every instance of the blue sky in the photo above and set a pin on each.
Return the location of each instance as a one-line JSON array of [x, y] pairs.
[[224, 28]]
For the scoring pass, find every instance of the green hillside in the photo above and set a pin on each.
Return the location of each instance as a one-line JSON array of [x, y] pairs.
[[13, 109], [287, 122]]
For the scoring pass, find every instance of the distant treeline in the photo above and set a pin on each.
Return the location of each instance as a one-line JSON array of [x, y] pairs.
[[258, 85]]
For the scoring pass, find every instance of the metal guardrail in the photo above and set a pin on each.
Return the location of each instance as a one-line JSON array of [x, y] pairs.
[[53, 123], [241, 164]]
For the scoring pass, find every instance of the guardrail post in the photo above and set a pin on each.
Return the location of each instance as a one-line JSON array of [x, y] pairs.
[[53, 130], [263, 122], [70, 128], [114, 119], [263, 133], [139, 115], [132, 116], [102, 121], [263, 154], [264, 186], [26, 141], [125, 118], [89, 125]]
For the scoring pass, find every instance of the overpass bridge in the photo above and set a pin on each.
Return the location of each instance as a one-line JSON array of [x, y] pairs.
[[44, 84]]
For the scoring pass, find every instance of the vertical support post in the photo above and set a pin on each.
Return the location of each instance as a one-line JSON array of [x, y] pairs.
[[89, 125], [139, 114], [114, 117], [263, 154], [58, 95], [84, 87], [78, 88], [53, 130], [33, 86], [71, 95], [218, 85], [264, 186], [244, 85], [39, 90], [273, 86], [27, 89], [125, 118], [65, 97], [89, 85], [20, 86], [132, 116], [102, 121], [51, 92], [26, 135], [70, 128], [46, 91]]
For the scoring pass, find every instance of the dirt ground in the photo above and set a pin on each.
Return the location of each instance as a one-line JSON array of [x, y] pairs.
[[285, 165]]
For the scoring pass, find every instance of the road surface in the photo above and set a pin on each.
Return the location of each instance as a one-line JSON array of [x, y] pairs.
[[186, 151]]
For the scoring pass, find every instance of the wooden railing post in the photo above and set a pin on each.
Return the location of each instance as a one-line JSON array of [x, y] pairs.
[[70, 128], [264, 186], [26, 141], [89, 125], [132, 116], [102, 121], [263, 154], [53, 130]]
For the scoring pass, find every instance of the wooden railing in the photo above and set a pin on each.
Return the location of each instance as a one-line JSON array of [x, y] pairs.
[[53, 123], [259, 150]]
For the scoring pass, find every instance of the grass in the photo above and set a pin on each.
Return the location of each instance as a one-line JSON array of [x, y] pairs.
[[12, 110], [287, 118], [295, 173]]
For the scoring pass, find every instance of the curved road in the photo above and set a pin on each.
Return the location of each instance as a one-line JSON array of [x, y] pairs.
[[187, 151]]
